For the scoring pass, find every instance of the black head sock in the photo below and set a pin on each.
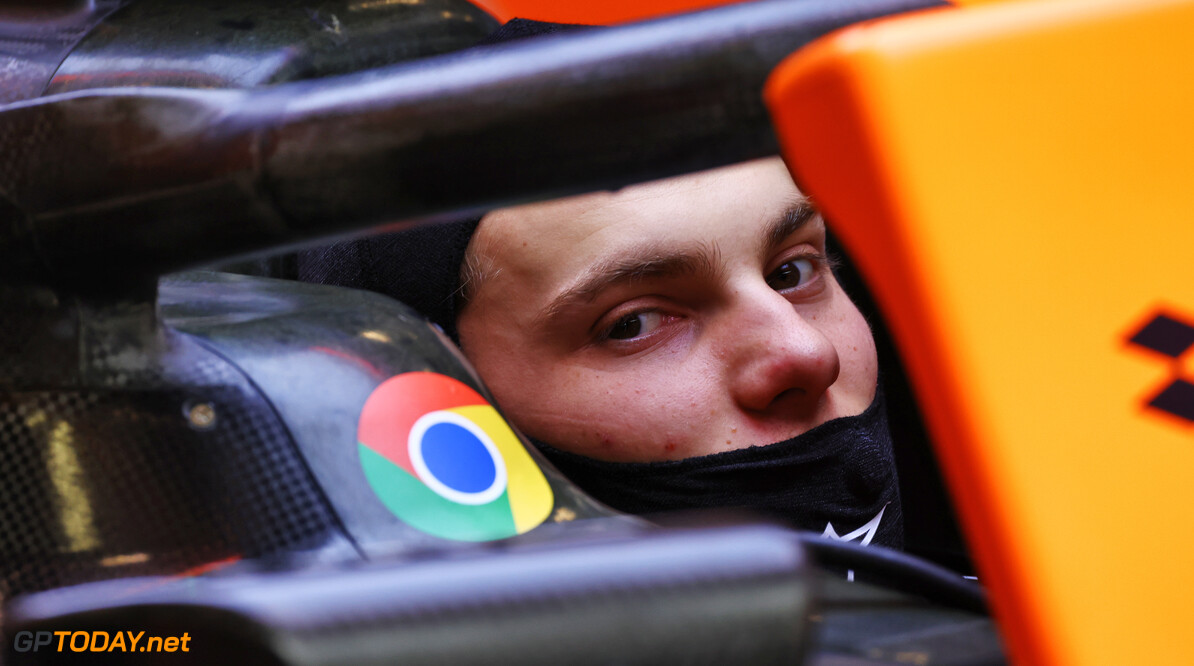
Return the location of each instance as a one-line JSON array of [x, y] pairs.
[[837, 479]]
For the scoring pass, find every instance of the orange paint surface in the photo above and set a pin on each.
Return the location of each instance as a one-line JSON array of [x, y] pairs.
[[594, 13], [1013, 179]]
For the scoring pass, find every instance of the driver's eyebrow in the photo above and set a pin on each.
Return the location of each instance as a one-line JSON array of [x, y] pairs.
[[635, 264], [652, 262], [799, 214]]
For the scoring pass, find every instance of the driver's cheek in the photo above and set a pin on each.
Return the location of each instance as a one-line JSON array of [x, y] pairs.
[[851, 336], [651, 410]]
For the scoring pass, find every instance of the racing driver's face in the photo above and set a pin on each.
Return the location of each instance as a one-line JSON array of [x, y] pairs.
[[667, 320]]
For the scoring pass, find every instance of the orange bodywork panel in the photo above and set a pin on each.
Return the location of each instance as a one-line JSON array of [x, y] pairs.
[[593, 13], [611, 11], [1016, 181]]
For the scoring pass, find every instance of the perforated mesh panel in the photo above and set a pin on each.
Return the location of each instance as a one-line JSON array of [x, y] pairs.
[[146, 473]]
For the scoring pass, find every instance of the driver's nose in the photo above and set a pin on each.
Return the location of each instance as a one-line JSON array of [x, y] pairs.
[[778, 360]]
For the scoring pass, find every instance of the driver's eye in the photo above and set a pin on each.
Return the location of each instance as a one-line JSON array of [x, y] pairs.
[[633, 325], [791, 274]]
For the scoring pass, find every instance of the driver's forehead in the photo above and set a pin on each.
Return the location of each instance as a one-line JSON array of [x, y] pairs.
[[548, 243]]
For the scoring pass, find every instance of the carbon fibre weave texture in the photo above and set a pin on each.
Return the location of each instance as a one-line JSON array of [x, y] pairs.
[[133, 463]]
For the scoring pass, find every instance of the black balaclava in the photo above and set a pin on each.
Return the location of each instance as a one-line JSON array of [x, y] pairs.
[[837, 479], [420, 267]]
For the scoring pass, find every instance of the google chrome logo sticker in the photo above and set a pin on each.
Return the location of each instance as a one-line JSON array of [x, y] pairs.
[[444, 461]]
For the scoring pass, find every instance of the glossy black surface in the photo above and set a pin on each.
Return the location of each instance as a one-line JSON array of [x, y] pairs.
[[713, 596], [317, 353], [35, 37], [137, 183], [245, 43], [226, 429]]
